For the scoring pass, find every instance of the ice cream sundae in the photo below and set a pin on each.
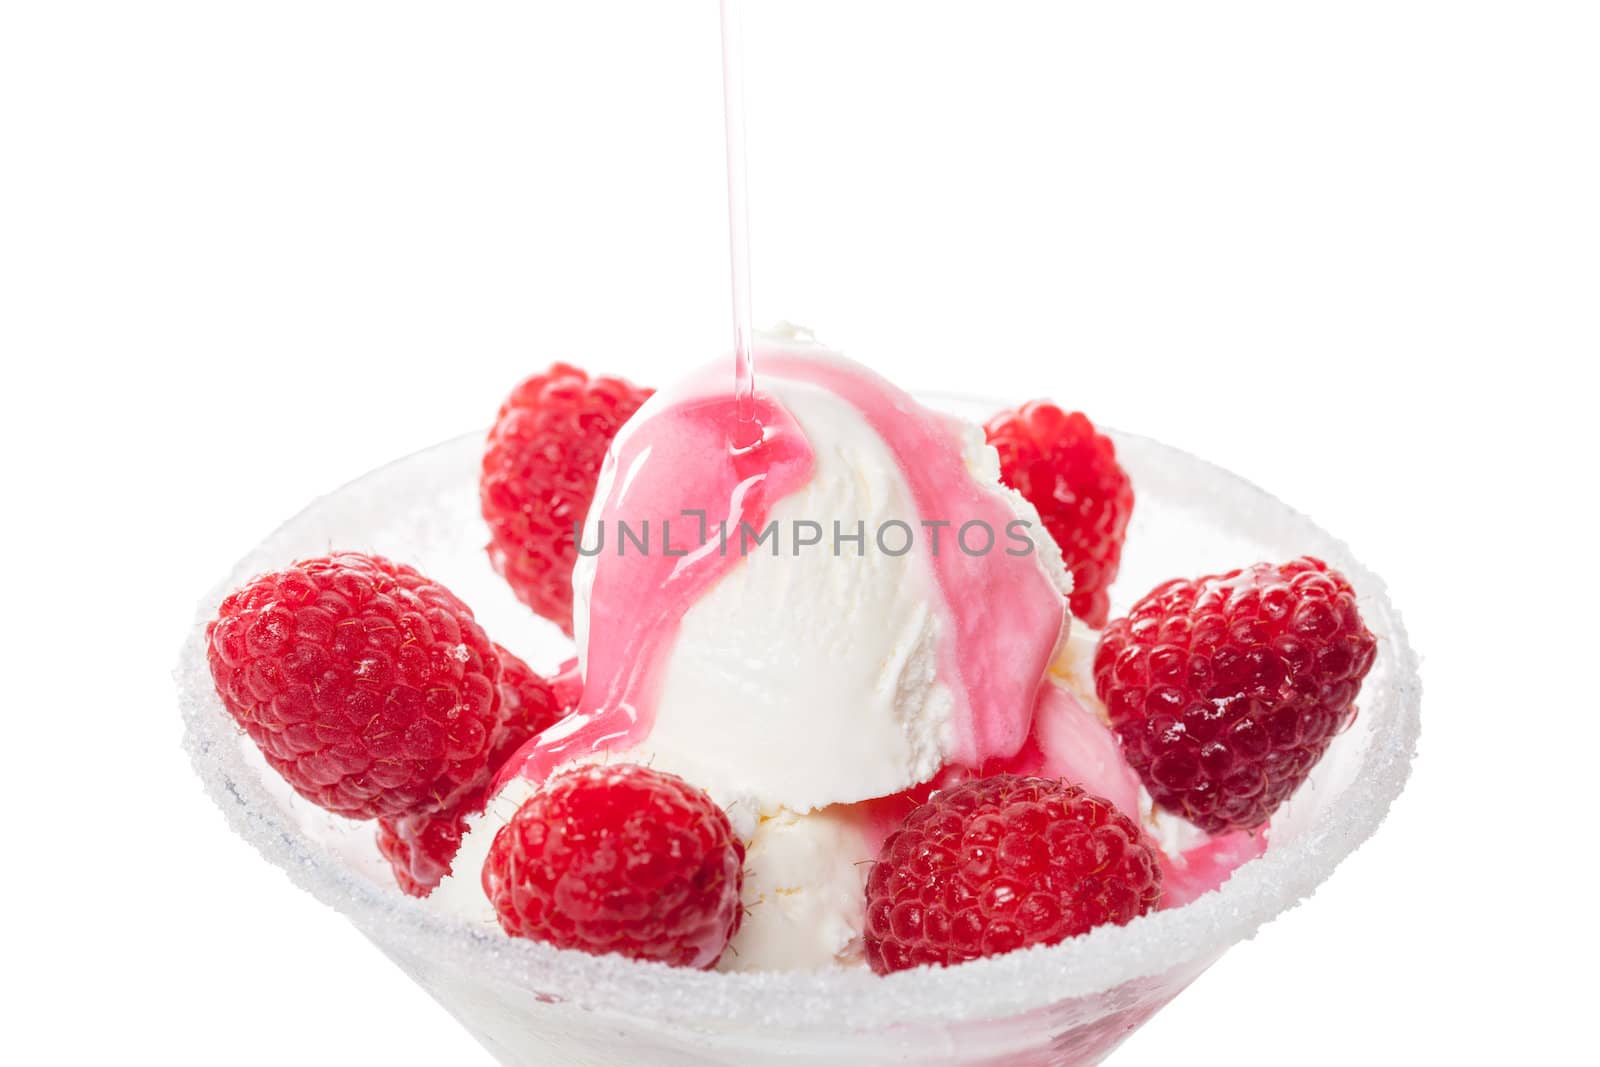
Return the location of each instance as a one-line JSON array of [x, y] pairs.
[[846, 691]]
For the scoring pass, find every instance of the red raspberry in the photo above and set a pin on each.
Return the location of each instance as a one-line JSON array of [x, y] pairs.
[[622, 859], [539, 474], [1070, 473], [999, 863], [367, 686], [421, 848], [1226, 690]]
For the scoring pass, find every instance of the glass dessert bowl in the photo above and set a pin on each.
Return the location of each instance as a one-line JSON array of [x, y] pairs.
[[529, 1003]]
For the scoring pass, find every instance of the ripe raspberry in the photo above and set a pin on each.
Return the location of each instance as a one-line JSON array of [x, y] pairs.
[[421, 848], [539, 473], [1070, 473], [999, 863], [620, 859], [1224, 691], [367, 686]]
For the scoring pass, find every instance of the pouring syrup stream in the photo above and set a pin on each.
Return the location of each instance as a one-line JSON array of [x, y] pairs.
[[747, 430]]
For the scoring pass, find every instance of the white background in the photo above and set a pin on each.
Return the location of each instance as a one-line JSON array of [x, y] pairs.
[[249, 251]]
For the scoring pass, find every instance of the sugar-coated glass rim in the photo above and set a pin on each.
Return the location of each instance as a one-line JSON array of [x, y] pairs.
[[853, 999]]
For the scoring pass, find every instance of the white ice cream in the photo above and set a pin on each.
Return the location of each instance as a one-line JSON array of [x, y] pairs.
[[775, 689], [810, 679], [461, 891], [804, 892]]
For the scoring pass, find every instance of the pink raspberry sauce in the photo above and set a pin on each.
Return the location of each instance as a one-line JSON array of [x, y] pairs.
[[681, 458], [1006, 617]]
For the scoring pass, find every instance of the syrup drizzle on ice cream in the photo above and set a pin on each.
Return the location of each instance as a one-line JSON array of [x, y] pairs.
[[1005, 615], [678, 459]]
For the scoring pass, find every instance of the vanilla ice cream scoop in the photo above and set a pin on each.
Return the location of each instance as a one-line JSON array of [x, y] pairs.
[[829, 616], [806, 674]]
